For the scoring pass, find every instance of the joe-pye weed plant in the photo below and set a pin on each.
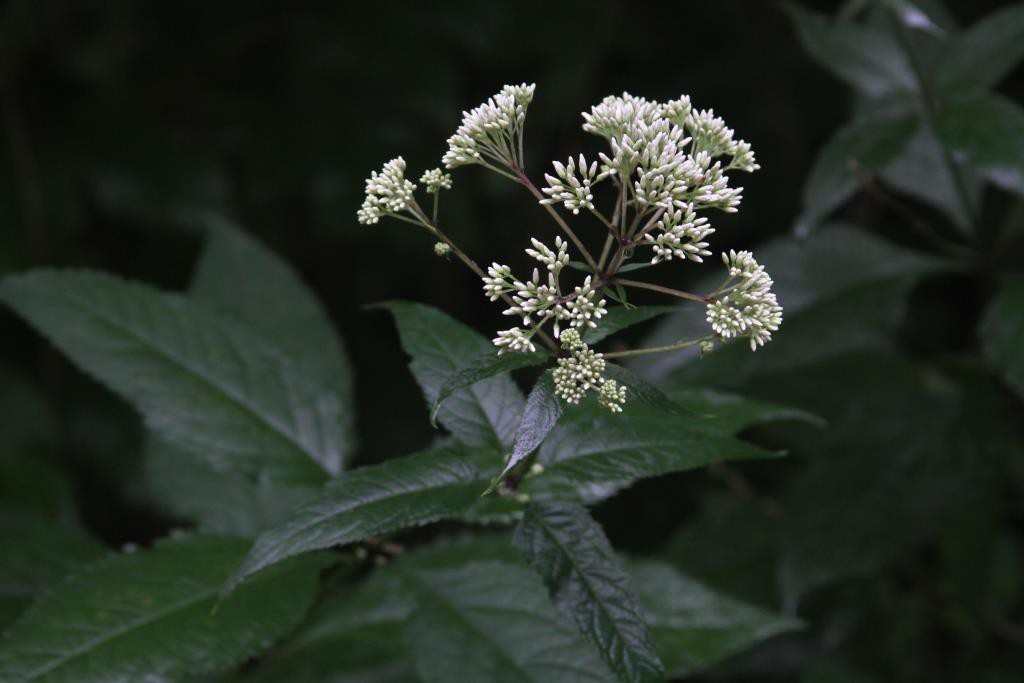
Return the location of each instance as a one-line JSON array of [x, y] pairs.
[[298, 559]]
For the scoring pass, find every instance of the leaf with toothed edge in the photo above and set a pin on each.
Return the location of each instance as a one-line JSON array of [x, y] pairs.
[[481, 368]]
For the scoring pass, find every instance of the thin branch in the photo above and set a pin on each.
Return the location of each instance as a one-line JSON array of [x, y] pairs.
[[690, 343], [664, 290], [528, 184]]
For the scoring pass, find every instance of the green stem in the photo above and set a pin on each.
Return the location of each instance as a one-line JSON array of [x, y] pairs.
[[660, 349], [528, 184], [664, 290]]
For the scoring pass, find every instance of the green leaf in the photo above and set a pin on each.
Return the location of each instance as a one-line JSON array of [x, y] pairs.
[[184, 486], [481, 368], [543, 409], [641, 391], [857, 150], [485, 414], [30, 483], [618, 319], [1002, 332], [732, 413], [200, 382], [571, 553], [987, 133], [491, 621], [913, 17], [147, 615], [986, 52], [405, 492], [37, 553], [594, 453], [239, 277], [695, 627], [865, 56]]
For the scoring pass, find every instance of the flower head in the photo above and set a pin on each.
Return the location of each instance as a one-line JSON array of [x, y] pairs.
[[386, 192], [436, 180], [491, 131], [573, 192], [582, 371], [747, 307]]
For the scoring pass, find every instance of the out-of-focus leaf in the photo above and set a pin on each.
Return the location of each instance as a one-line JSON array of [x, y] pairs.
[[641, 391], [922, 171], [864, 56], [913, 16], [808, 271], [732, 413], [147, 615], [980, 57], [491, 621], [594, 454], [30, 483], [1002, 332], [571, 553], [619, 318], [856, 151], [485, 414], [27, 421], [186, 487], [543, 409], [832, 672], [405, 492], [201, 383], [987, 133], [481, 368], [695, 627], [243, 279], [37, 553]]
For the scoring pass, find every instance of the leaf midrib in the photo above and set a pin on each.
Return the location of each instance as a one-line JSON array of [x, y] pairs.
[[109, 636], [548, 531], [482, 635]]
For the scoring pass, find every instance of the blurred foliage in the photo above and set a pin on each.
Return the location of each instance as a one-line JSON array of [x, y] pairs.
[[888, 545]]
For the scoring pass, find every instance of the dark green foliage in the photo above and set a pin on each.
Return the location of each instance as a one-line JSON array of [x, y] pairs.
[[841, 506]]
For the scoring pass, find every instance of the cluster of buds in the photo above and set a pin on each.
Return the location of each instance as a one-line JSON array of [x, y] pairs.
[[668, 163], [744, 305], [539, 300], [492, 132], [582, 370]]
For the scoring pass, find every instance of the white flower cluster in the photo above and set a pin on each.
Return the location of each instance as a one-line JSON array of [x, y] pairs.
[[491, 131], [537, 301], [387, 192], [680, 234], [436, 180], [745, 305], [583, 370], [573, 192], [669, 151]]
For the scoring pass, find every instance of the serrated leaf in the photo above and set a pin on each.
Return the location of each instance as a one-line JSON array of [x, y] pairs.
[[240, 277], [1002, 332], [987, 133], [618, 319], [693, 626], [485, 414], [200, 382], [591, 454], [865, 56], [182, 485], [147, 615], [732, 413], [858, 149], [543, 409], [418, 489], [491, 621], [481, 368], [985, 53], [572, 555]]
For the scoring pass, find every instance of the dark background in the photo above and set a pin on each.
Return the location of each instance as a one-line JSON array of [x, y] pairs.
[[127, 123]]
